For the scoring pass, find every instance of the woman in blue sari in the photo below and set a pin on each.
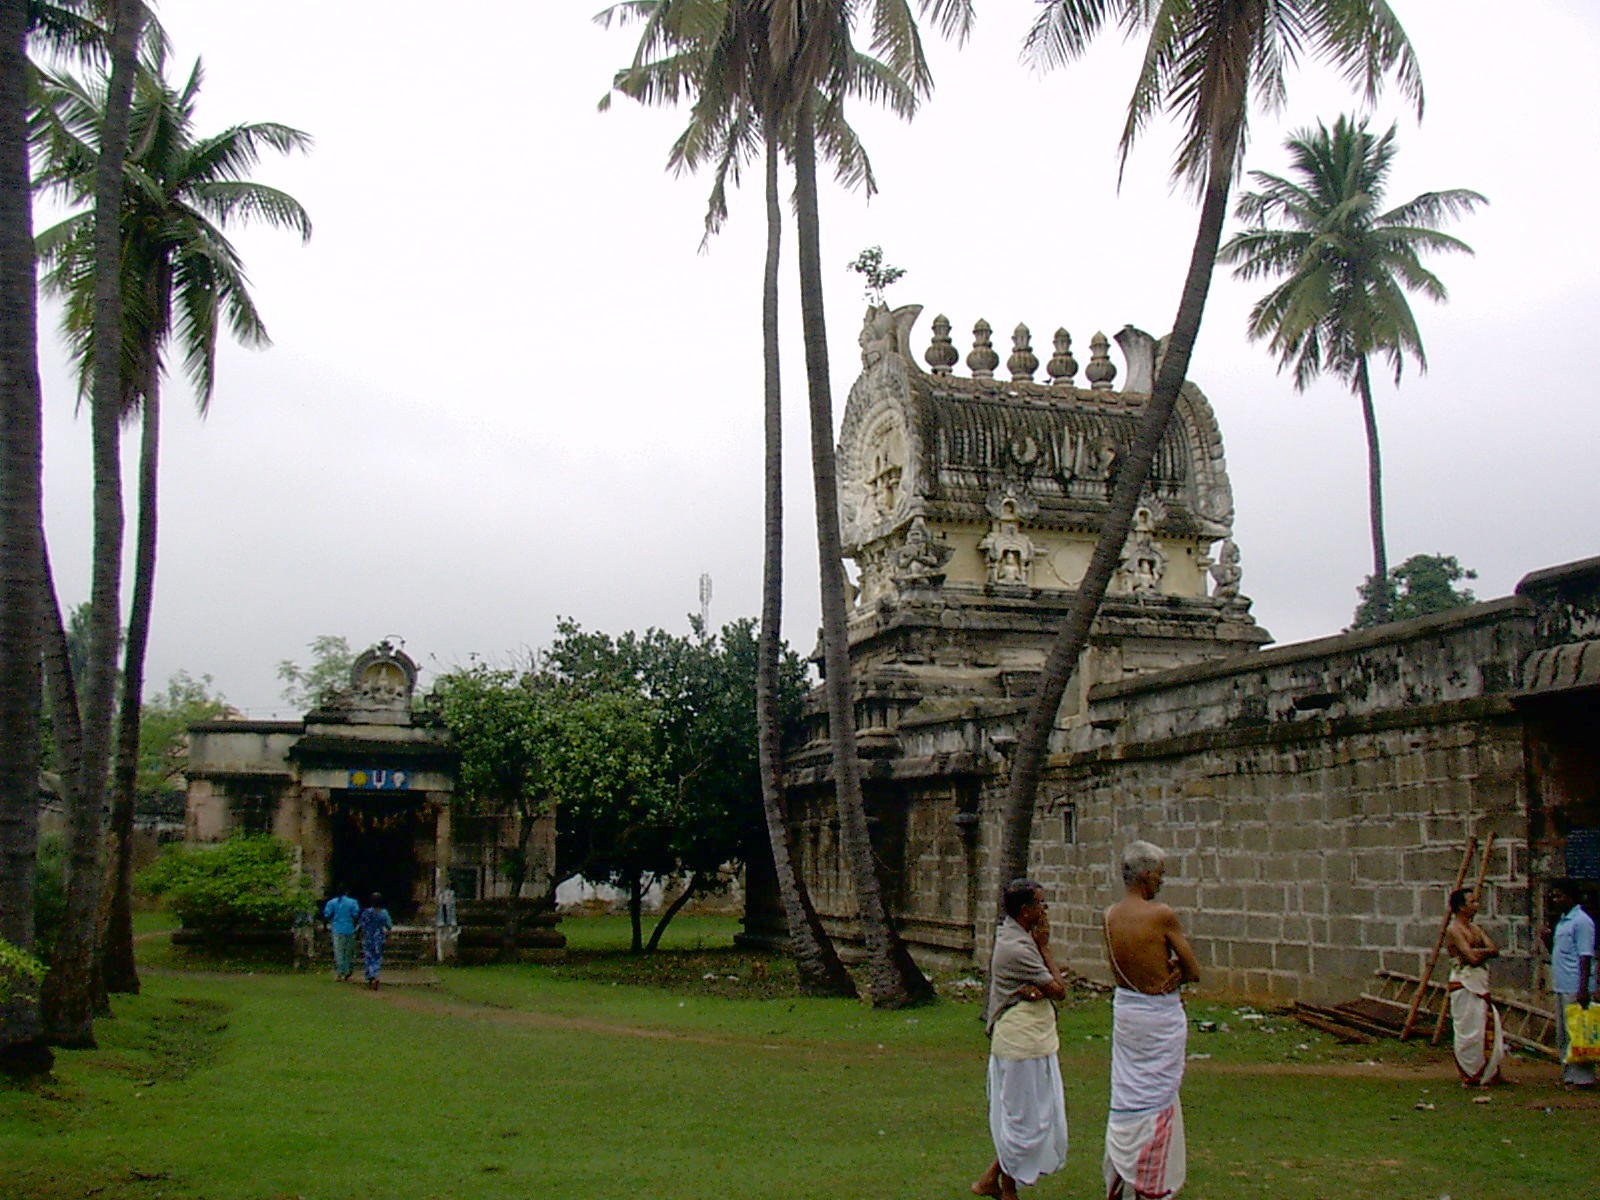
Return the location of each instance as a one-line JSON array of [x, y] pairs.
[[374, 925]]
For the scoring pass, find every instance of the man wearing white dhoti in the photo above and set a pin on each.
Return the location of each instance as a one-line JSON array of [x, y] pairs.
[[1145, 1155], [1479, 1042], [1027, 1110]]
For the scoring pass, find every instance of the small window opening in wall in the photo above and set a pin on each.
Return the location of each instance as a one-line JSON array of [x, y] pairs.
[[1069, 824]]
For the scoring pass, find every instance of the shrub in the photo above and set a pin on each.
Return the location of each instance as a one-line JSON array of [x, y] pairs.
[[49, 894], [246, 882], [17, 967]]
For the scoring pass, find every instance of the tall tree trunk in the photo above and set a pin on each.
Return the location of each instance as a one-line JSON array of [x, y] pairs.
[[816, 961], [1068, 647], [71, 987], [22, 1047], [636, 911], [1381, 595], [61, 686], [118, 971], [893, 978], [691, 888]]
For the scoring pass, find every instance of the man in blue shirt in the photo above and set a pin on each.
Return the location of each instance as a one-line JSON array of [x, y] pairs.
[[341, 913], [1571, 965]]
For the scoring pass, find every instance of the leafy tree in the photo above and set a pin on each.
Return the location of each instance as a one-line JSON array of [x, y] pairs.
[[305, 687], [1343, 266], [703, 691], [615, 807], [878, 274], [164, 730], [505, 727], [1423, 584], [1204, 62], [246, 882], [179, 280]]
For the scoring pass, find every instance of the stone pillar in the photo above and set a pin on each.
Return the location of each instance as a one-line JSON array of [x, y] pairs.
[[443, 845]]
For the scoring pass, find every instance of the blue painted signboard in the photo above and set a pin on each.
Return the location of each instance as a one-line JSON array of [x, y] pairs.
[[379, 779]]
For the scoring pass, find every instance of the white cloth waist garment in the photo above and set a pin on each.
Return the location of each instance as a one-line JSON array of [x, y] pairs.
[[1027, 1116], [1473, 979], [1026, 1030], [1149, 1039], [1146, 1155]]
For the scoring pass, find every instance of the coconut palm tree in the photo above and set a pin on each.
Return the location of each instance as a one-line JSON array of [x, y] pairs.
[[718, 54], [777, 73], [21, 542], [71, 993], [813, 38], [1206, 62], [1344, 267], [181, 279]]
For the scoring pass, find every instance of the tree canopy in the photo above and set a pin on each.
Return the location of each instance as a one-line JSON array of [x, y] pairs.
[[1423, 584]]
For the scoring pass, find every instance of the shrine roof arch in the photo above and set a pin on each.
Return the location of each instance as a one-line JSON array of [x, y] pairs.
[[941, 446]]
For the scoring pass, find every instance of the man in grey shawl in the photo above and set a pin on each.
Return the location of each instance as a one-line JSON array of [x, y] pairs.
[[1027, 1110]]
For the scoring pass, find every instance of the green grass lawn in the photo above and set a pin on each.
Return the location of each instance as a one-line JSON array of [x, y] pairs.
[[695, 1072]]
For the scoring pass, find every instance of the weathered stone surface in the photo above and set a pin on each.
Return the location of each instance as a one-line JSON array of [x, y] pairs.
[[1314, 799]]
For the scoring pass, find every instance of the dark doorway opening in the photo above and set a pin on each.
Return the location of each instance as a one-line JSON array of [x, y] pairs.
[[375, 848]]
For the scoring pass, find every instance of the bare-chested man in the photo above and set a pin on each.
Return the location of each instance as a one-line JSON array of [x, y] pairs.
[[1150, 960], [1479, 1043]]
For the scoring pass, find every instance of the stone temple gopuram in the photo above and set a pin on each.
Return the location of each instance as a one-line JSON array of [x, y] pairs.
[[1316, 800], [970, 506]]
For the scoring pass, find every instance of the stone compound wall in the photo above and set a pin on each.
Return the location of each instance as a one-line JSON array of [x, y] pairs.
[[1315, 802]]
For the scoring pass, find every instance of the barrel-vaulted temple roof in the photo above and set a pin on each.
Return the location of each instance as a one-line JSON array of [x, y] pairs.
[[930, 443]]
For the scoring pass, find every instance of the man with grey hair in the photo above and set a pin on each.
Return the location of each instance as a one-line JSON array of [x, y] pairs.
[[1150, 960], [1027, 1108]]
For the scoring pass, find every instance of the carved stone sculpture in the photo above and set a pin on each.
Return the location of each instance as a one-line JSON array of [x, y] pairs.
[[921, 559], [1144, 563], [1010, 551]]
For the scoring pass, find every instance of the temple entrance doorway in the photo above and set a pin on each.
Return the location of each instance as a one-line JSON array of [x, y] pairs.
[[375, 848]]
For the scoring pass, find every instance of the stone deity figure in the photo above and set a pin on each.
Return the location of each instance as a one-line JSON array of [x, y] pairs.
[[1010, 551], [1144, 563], [922, 557]]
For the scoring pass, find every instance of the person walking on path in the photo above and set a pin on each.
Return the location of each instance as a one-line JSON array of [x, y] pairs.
[[374, 924], [1479, 1042], [340, 913], [1027, 1108], [1571, 942], [1145, 1155]]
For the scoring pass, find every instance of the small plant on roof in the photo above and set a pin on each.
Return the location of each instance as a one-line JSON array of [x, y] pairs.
[[879, 274]]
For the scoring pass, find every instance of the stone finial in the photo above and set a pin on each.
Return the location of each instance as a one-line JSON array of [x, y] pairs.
[[1141, 351], [1062, 366], [1023, 361], [983, 360], [1101, 370], [942, 353]]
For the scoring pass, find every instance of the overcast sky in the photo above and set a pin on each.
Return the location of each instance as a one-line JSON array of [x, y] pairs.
[[506, 385]]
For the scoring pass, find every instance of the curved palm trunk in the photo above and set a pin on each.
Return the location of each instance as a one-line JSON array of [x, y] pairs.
[[117, 968], [816, 960], [1380, 553], [22, 1047], [72, 985], [893, 978], [1017, 813]]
